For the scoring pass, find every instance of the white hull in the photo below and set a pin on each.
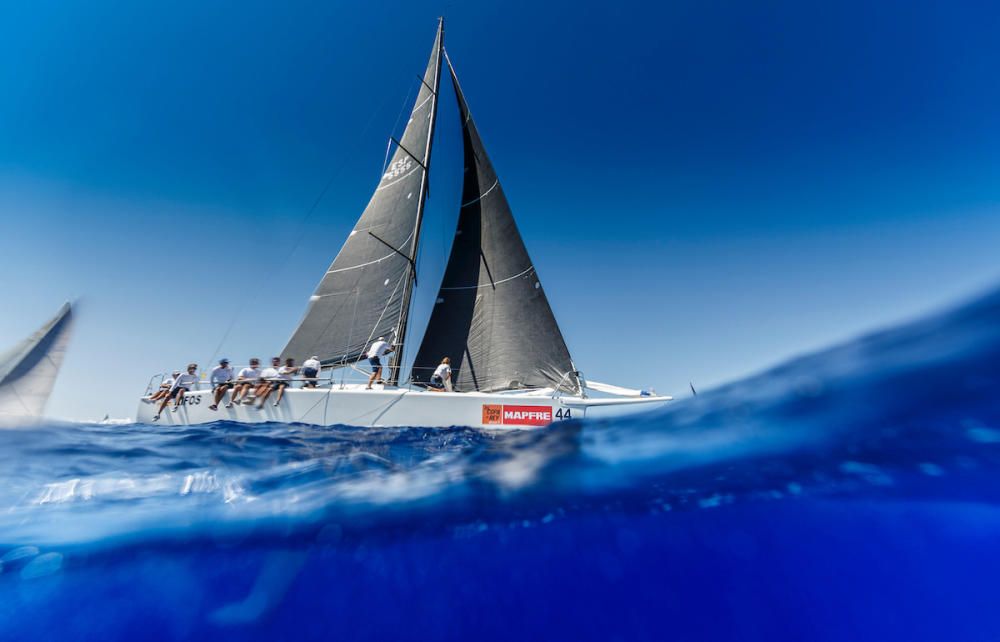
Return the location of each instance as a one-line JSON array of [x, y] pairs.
[[388, 407]]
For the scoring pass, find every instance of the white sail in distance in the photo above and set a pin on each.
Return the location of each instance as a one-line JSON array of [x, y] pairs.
[[29, 370]]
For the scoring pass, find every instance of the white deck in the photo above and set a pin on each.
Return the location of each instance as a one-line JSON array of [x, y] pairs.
[[384, 407]]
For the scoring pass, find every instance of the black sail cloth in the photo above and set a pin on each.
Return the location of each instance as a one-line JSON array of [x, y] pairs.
[[365, 292], [491, 317]]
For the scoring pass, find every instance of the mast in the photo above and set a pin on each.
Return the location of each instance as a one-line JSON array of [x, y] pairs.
[[411, 276], [365, 292]]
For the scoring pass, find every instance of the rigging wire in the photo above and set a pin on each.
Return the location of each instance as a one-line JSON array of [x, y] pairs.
[[395, 126], [305, 219]]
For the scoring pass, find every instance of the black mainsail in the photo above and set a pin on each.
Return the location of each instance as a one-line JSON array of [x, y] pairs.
[[366, 291], [491, 317], [28, 371]]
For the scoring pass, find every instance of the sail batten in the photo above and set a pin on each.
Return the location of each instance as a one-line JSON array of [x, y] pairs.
[[491, 318], [364, 293]]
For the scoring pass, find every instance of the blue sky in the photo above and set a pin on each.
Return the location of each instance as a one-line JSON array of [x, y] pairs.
[[706, 187]]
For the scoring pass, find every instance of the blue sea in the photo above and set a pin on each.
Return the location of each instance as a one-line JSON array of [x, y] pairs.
[[853, 494]]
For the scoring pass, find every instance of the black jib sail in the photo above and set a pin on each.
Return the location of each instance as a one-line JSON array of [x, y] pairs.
[[28, 372], [365, 293], [491, 318]]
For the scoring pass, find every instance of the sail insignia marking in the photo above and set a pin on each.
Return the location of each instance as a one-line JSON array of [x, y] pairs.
[[399, 167]]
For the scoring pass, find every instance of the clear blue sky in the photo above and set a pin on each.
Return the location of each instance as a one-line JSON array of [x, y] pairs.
[[706, 187]]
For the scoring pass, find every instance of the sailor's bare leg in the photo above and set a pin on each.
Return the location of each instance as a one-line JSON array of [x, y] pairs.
[[220, 392], [163, 404], [375, 374], [239, 390], [263, 395], [281, 393], [179, 398]]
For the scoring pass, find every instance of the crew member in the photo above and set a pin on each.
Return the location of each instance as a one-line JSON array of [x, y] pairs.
[[267, 381], [284, 379], [375, 353], [221, 380], [245, 380], [441, 379], [165, 387], [310, 370], [182, 384]]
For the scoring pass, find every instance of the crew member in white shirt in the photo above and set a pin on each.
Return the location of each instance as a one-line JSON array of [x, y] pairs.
[[310, 370], [221, 380], [182, 384], [246, 379], [267, 375], [282, 379], [165, 387], [375, 353], [441, 379]]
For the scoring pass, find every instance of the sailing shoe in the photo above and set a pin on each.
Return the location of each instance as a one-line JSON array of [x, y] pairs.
[[213, 407], [174, 409], [156, 417]]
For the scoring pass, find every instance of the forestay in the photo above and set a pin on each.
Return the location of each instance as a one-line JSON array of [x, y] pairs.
[[491, 316], [365, 293]]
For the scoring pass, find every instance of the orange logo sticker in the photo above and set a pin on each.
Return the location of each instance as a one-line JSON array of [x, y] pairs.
[[492, 414]]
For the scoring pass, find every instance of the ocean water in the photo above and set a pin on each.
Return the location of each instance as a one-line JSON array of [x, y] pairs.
[[853, 494]]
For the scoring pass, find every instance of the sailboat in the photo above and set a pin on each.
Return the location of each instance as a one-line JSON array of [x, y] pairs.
[[29, 370], [511, 368]]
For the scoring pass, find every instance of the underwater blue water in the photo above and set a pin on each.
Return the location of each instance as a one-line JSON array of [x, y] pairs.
[[853, 494]]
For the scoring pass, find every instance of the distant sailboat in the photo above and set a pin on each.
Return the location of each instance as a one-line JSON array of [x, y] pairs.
[[511, 366], [28, 371]]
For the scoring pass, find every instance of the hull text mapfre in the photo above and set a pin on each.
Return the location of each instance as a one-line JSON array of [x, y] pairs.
[[497, 414]]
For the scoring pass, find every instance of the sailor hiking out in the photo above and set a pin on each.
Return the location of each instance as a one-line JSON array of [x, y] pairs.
[[165, 387], [221, 380], [182, 384], [266, 383], [276, 377], [246, 379]]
